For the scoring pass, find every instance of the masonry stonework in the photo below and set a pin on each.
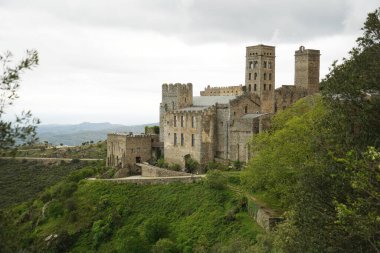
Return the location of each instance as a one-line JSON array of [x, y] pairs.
[[218, 124]]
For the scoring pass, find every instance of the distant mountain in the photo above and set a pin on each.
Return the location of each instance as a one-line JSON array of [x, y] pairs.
[[73, 135]]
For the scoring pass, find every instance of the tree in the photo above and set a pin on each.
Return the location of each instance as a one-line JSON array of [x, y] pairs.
[[24, 127]]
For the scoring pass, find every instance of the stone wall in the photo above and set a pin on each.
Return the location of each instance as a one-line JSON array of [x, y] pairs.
[[148, 170], [174, 96], [125, 150], [223, 91], [196, 127], [287, 95]]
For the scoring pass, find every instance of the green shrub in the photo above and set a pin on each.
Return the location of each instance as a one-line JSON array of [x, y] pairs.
[[161, 163], [134, 244], [216, 166], [216, 180], [175, 167], [191, 165], [164, 245], [100, 230], [55, 209], [156, 228], [78, 175], [67, 189]]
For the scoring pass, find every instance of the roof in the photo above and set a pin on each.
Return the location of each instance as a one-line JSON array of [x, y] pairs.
[[253, 115], [211, 100]]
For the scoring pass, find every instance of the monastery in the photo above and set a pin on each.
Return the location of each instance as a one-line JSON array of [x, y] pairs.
[[217, 125]]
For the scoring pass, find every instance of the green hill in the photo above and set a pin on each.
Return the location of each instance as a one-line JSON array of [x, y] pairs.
[[96, 216]]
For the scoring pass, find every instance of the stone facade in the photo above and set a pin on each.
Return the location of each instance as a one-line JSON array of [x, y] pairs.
[[218, 124], [125, 150], [223, 91]]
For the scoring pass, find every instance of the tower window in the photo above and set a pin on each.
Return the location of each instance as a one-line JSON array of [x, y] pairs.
[[269, 65], [193, 122], [255, 64], [175, 139], [254, 87], [245, 109], [265, 64], [181, 121], [251, 65], [270, 76], [265, 76], [265, 86], [270, 86], [175, 121], [249, 76], [249, 87], [192, 140], [182, 140], [255, 76]]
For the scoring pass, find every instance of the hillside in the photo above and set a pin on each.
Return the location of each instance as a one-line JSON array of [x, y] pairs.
[[92, 216], [73, 135]]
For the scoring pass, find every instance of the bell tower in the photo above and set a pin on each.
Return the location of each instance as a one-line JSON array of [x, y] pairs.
[[260, 74]]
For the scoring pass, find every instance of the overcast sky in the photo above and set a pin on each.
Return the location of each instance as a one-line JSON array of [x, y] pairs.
[[105, 61]]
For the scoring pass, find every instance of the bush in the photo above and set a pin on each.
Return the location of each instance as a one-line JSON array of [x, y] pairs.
[[67, 189], [217, 166], [156, 228], [161, 163], [164, 245], [100, 231], [191, 165], [134, 244], [76, 176], [216, 180], [237, 164], [55, 209], [175, 167]]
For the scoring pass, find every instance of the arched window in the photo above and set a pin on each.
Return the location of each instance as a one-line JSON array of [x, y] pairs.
[[265, 64], [265, 86], [249, 76], [270, 76], [254, 87], [265, 76], [254, 76], [270, 86], [249, 87], [269, 65], [245, 109]]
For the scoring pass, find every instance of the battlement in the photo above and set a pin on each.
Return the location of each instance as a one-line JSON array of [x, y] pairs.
[[174, 89], [223, 91], [261, 50], [131, 135], [303, 51]]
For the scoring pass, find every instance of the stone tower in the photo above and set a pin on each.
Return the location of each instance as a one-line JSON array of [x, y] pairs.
[[307, 69], [260, 74], [174, 96]]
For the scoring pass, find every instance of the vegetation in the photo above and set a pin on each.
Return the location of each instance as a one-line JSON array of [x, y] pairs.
[[152, 129], [86, 150], [88, 216], [24, 126], [321, 162], [22, 180]]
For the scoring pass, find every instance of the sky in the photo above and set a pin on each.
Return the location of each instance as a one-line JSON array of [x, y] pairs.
[[105, 61]]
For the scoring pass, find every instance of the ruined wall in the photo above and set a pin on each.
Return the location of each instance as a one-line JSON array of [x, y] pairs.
[[174, 96], [287, 95], [148, 170], [306, 74], [125, 150], [198, 125], [241, 129], [223, 91]]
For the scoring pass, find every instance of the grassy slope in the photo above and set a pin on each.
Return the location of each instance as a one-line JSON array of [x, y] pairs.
[[23, 180], [198, 217]]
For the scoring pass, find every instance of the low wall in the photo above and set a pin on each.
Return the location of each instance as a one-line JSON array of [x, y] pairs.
[[264, 217], [148, 170], [162, 180]]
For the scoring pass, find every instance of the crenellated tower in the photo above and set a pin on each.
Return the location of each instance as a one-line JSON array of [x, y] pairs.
[[174, 96], [307, 62], [260, 74]]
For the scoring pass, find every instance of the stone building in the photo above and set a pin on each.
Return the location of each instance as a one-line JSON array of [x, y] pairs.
[[125, 150], [218, 124]]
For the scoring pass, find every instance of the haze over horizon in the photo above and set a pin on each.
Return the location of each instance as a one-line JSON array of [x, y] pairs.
[[106, 61]]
